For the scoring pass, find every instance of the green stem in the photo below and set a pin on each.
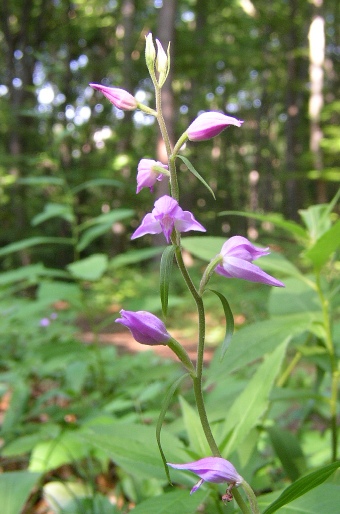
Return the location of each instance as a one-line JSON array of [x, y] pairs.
[[178, 349], [334, 369], [240, 501], [251, 497]]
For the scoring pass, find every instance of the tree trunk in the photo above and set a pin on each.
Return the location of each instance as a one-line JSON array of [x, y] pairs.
[[316, 38]]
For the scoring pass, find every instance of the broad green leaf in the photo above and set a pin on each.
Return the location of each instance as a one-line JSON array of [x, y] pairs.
[[15, 488], [277, 263], [32, 273], [100, 225], [52, 291], [229, 322], [97, 182], [53, 210], [253, 341], [328, 243], [290, 226], [197, 440], [196, 174], [296, 297], [134, 448], [134, 256], [34, 241], [165, 276], [305, 484], [288, 449], [107, 218], [90, 268], [164, 408], [176, 502], [64, 449], [250, 405], [41, 181]]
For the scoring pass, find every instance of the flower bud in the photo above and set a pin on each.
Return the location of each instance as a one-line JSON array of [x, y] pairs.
[[145, 327], [150, 53], [118, 97], [162, 63], [210, 124], [149, 173]]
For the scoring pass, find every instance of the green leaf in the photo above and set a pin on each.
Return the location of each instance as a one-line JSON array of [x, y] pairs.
[[15, 487], [302, 486], [164, 408], [100, 225], [229, 323], [204, 247], [64, 449], [176, 502], [54, 210], [97, 182], [250, 405], [134, 256], [195, 172], [165, 276], [90, 268], [14, 413], [289, 226], [134, 448], [31, 273], [41, 181], [328, 243], [197, 440], [288, 449], [34, 241], [253, 341]]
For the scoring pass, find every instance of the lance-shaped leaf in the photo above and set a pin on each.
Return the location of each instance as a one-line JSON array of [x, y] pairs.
[[195, 172], [165, 275], [229, 322], [164, 407], [302, 486]]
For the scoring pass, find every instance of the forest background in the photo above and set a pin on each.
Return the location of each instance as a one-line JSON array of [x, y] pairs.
[[274, 66], [68, 208]]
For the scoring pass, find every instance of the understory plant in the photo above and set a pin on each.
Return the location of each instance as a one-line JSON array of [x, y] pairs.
[[234, 259]]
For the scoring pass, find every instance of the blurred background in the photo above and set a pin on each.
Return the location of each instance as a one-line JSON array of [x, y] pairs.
[[274, 65]]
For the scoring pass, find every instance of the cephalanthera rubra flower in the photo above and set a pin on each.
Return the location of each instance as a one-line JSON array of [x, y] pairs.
[[149, 173], [118, 97], [145, 327], [210, 124]]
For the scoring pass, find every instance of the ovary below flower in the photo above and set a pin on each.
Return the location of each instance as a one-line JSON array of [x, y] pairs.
[[149, 173], [211, 469], [166, 216], [236, 256]]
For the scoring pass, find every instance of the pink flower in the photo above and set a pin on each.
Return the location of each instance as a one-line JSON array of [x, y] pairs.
[[209, 125], [145, 327], [148, 174], [166, 216], [237, 254], [211, 469], [118, 97]]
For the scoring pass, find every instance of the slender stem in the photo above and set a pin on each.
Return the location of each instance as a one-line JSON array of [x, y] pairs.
[[335, 375], [240, 501], [251, 497], [287, 372]]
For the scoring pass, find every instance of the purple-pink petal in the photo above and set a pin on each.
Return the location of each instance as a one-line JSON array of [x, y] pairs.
[[145, 327], [118, 97], [166, 216], [211, 469], [233, 267], [209, 124], [236, 256]]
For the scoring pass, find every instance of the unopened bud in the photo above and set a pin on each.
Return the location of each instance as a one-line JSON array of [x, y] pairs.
[[150, 53], [162, 63]]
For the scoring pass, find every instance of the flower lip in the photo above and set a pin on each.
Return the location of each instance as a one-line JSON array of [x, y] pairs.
[[145, 327], [211, 469], [166, 216], [118, 97], [237, 254], [209, 124]]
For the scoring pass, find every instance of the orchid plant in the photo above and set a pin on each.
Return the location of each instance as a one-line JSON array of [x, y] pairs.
[[234, 260]]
